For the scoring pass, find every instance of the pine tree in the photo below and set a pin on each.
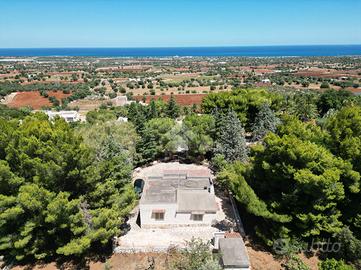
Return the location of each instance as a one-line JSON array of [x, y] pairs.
[[153, 111], [231, 142], [69, 197], [173, 108], [266, 121]]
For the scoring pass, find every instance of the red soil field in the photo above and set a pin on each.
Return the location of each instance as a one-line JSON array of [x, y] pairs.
[[323, 74], [53, 81], [34, 100], [184, 100]]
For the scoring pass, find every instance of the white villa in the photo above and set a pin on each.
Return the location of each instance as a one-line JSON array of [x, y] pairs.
[[178, 198], [69, 116]]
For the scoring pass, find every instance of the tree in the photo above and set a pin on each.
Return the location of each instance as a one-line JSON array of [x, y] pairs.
[[304, 106], [155, 139], [100, 115], [57, 196], [198, 133], [345, 141], [137, 114], [95, 136], [153, 110], [173, 108], [295, 185], [245, 102], [10, 113], [196, 256], [266, 121], [332, 99], [350, 246], [291, 125], [324, 85], [287, 171], [345, 134], [232, 176], [231, 142]]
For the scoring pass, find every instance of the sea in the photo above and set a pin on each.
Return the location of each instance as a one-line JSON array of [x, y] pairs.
[[250, 51]]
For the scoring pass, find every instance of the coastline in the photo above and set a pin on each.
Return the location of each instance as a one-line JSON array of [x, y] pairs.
[[157, 52]]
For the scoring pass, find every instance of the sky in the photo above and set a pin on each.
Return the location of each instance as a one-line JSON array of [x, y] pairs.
[[172, 23]]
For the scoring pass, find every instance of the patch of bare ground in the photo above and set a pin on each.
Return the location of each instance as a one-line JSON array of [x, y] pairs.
[[34, 100], [160, 261], [262, 259], [311, 261], [135, 261]]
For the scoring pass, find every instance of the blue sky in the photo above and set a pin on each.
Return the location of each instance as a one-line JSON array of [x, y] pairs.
[[153, 23]]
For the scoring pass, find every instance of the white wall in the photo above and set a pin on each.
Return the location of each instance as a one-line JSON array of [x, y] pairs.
[[238, 268], [171, 217], [146, 214]]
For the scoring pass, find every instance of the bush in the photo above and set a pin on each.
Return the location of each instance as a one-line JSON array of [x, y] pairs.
[[196, 255], [350, 245], [324, 85], [112, 95], [295, 263], [332, 264]]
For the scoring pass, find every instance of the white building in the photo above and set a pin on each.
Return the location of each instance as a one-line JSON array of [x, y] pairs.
[[120, 101], [69, 116], [178, 199], [232, 251], [122, 119]]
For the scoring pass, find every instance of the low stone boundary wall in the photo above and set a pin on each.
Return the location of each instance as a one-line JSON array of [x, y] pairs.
[[155, 249]]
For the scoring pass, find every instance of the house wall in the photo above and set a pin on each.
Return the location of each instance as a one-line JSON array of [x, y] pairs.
[[146, 214], [236, 268], [185, 218], [171, 217]]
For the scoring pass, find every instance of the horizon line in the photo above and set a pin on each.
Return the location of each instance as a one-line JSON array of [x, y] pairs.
[[199, 46]]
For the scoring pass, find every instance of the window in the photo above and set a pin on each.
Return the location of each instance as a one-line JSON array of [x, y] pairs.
[[197, 217], [158, 214]]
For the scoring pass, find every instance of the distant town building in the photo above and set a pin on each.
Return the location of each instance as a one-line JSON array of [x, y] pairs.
[[69, 116], [266, 81], [122, 119], [120, 101], [178, 199]]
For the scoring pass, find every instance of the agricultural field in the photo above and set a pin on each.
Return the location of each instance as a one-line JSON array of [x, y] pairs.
[[33, 99], [96, 80]]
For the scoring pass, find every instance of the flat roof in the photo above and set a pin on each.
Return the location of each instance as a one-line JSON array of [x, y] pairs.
[[163, 188], [195, 201], [233, 252], [160, 191]]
